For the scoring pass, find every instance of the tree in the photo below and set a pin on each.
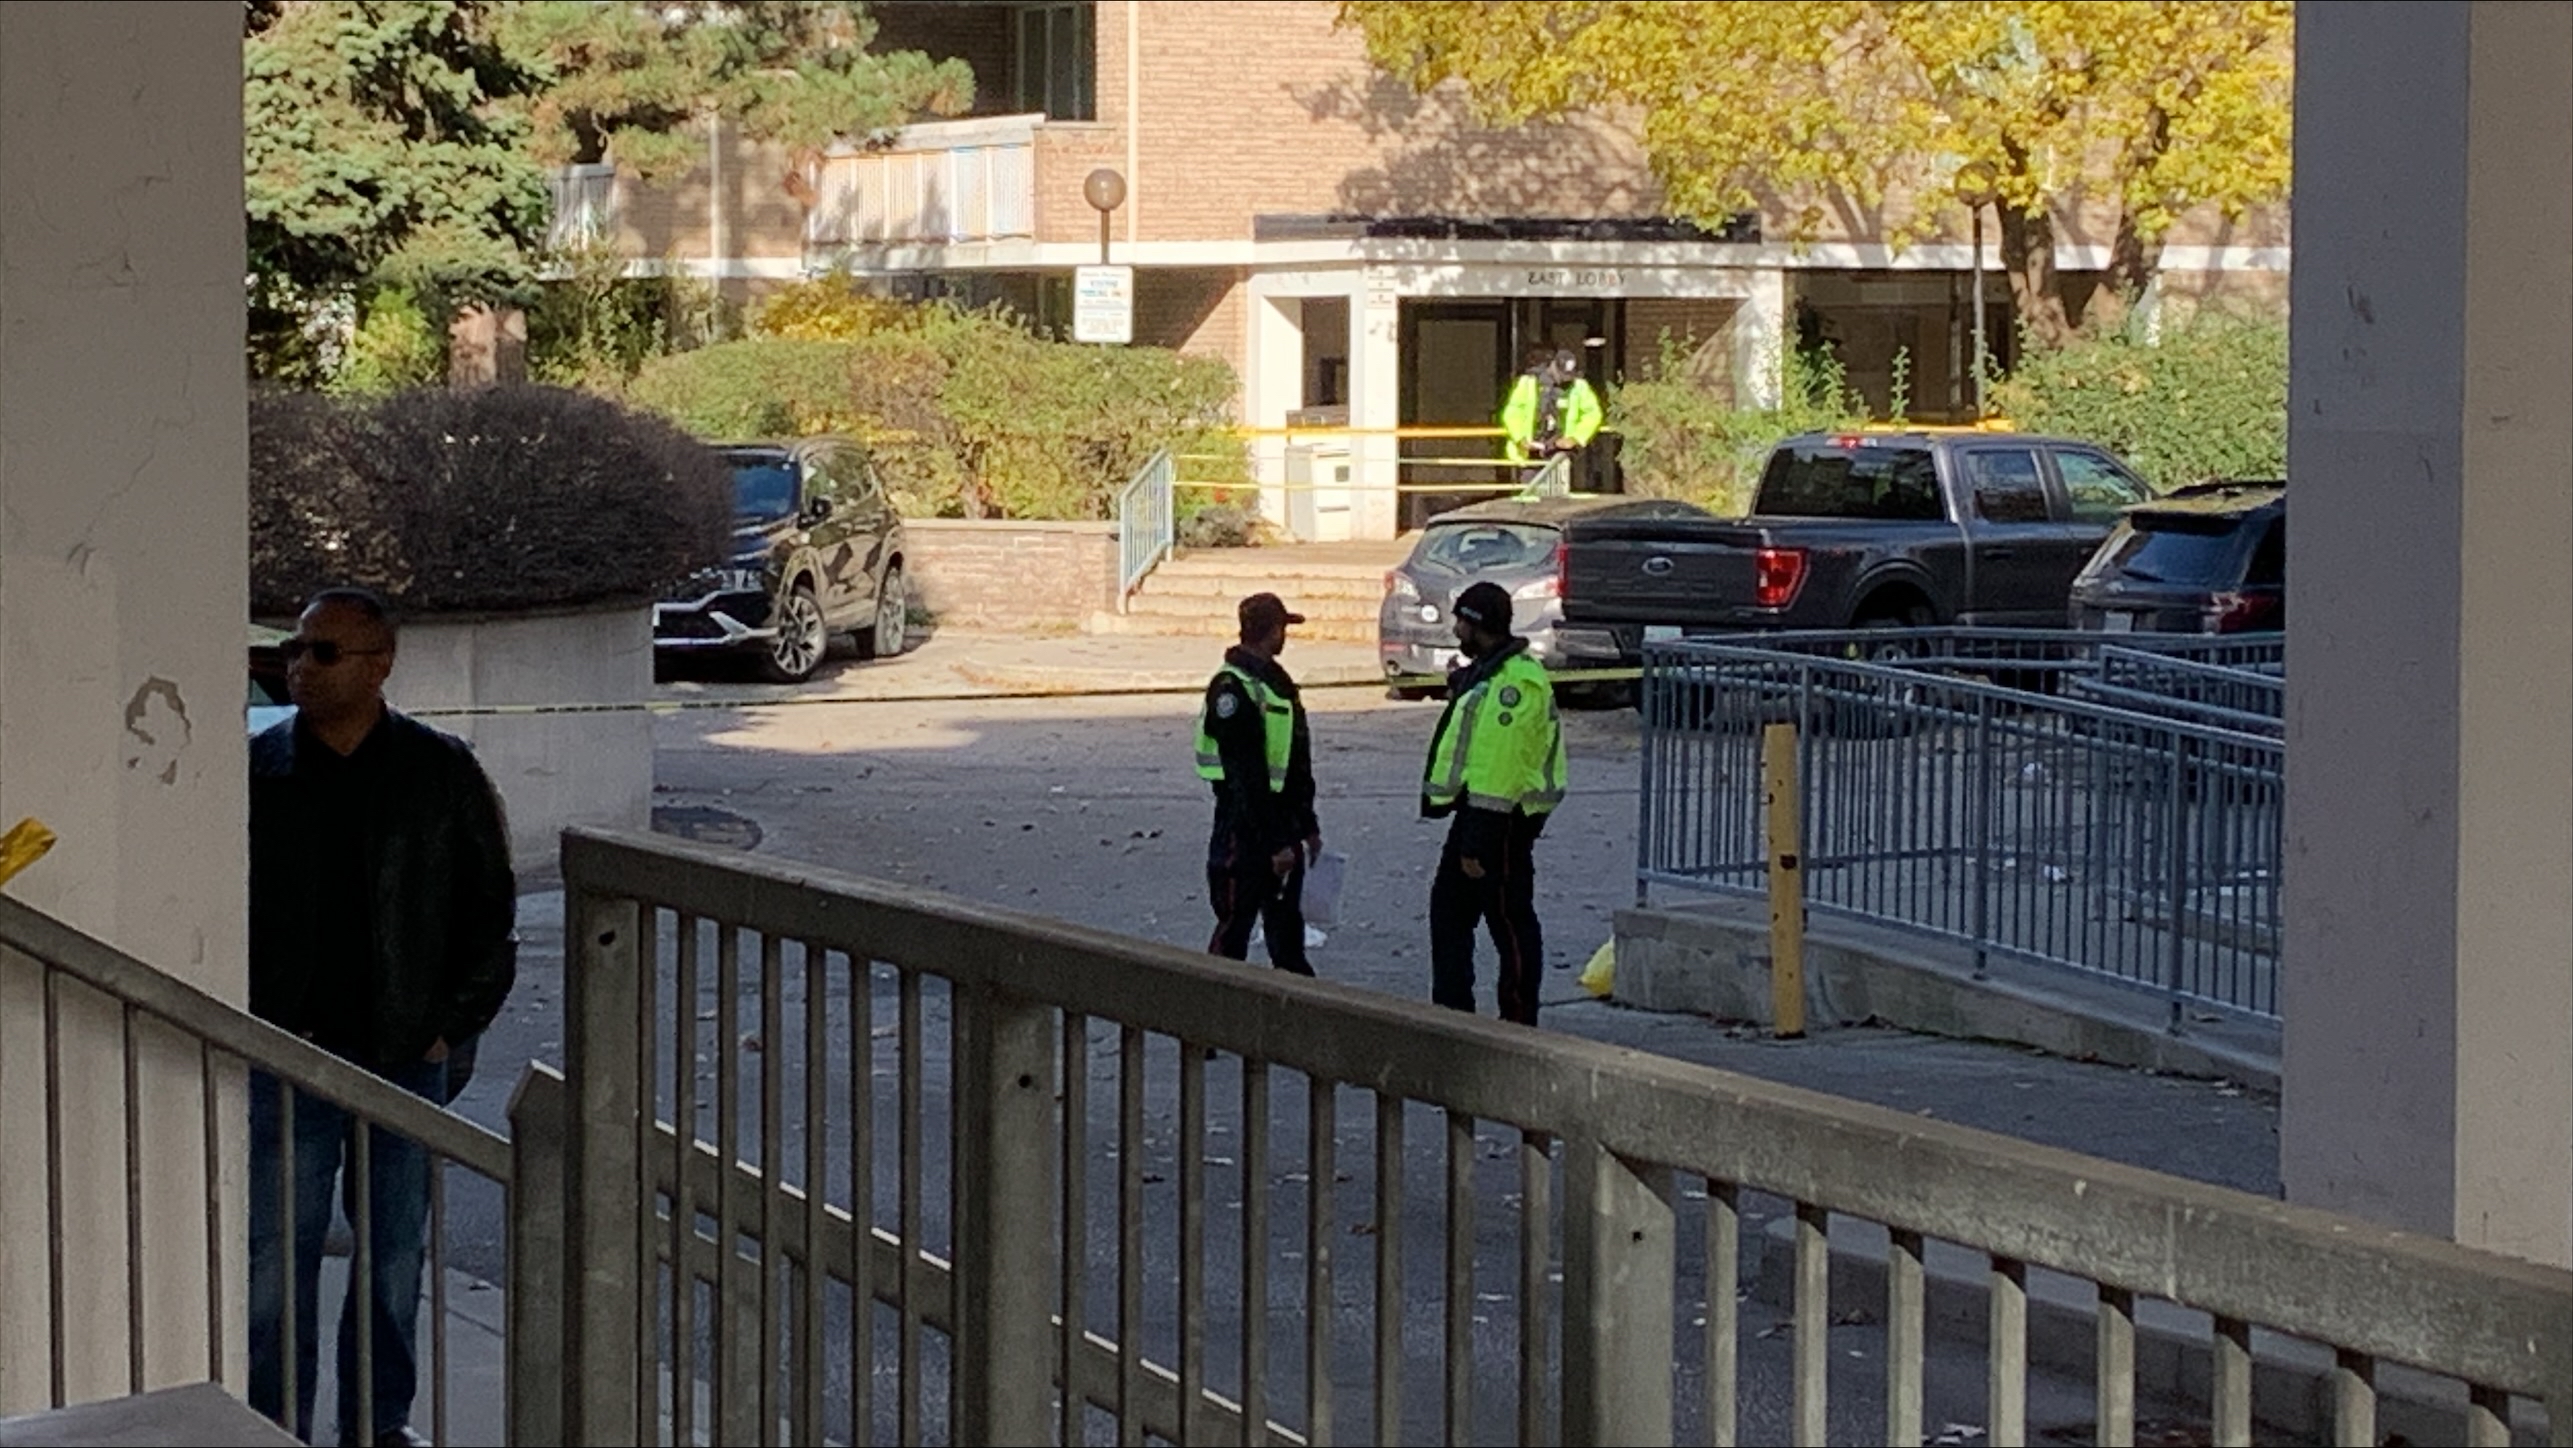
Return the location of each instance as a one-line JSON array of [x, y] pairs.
[[381, 146], [2157, 106], [623, 82], [409, 142]]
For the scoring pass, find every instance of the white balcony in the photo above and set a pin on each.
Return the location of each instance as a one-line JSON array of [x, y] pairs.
[[939, 183]]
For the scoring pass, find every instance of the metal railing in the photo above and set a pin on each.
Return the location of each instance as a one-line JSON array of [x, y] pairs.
[[187, 1062], [1147, 523], [936, 183], [856, 1163], [1975, 787]]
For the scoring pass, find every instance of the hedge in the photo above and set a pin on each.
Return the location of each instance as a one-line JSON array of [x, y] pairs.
[[2205, 400], [498, 499], [970, 414]]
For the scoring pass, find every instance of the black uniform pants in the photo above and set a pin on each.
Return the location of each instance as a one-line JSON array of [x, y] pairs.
[[1504, 900], [1246, 890]]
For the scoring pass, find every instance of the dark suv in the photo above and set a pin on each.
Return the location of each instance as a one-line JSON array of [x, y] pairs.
[[817, 550], [2211, 558]]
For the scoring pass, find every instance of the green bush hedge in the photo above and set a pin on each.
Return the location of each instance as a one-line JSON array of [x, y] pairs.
[[1682, 441], [2208, 400], [495, 500], [970, 413]]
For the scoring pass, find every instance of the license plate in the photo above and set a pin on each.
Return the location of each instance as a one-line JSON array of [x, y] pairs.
[[1661, 633], [2117, 623]]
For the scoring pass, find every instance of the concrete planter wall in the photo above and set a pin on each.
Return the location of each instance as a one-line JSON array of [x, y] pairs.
[[972, 573], [552, 770]]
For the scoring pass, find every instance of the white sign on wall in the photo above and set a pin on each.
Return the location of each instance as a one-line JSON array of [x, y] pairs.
[[1103, 304]]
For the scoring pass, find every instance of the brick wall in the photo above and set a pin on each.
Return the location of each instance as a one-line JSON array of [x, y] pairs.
[[1008, 574], [1197, 310], [1700, 327]]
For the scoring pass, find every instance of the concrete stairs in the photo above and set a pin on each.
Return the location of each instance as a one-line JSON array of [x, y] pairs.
[[1336, 586]]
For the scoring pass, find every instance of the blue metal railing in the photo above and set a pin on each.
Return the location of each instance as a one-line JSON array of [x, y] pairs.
[[1147, 523]]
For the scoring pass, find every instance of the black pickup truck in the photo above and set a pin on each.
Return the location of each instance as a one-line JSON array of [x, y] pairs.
[[1896, 528]]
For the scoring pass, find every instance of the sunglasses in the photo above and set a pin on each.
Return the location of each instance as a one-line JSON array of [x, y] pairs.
[[324, 652]]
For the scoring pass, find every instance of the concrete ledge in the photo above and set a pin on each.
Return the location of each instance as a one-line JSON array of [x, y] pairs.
[[2292, 1378], [1710, 958]]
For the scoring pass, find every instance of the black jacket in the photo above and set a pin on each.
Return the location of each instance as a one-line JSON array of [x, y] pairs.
[[1261, 821], [444, 904]]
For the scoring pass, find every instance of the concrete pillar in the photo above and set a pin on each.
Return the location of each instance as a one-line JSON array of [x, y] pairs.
[[1375, 404], [2428, 990], [1760, 339], [1273, 388], [123, 617]]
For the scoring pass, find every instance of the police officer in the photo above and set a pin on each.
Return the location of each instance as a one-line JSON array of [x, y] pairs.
[[1254, 746], [1496, 769], [1551, 409]]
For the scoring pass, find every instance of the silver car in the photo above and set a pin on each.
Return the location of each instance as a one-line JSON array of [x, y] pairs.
[[1518, 544]]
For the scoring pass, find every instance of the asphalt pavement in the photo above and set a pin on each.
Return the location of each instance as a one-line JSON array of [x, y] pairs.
[[1083, 807]]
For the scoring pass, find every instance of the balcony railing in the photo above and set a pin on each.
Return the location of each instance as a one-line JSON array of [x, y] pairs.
[[940, 183]]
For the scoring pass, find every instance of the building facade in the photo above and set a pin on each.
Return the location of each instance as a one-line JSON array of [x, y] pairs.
[[1357, 252]]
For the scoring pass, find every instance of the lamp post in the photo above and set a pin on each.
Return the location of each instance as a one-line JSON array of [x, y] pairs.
[[1974, 185], [1105, 190]]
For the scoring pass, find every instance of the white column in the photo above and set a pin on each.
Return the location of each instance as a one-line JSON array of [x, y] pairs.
[[1274, 388], [1760, 339], [2428, 987], [1375, 403], [123, 616]]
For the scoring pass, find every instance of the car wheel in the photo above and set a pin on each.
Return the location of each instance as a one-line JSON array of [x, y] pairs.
[[796, 650], [1881, 709], [891, 630]]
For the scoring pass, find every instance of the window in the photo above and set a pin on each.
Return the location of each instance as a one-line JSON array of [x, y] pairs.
[[2007, 486], [1057, 61], [1475, 547], [2099, 489], [1900, 484], [2269, 560]]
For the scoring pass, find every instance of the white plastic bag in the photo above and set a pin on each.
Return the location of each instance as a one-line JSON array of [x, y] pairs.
[[1322, 881]]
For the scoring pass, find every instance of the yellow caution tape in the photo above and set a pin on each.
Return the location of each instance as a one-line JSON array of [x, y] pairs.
[[24, 845]]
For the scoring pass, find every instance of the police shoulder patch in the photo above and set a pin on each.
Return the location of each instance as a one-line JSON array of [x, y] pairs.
[[1226, 704], [1509, 696]]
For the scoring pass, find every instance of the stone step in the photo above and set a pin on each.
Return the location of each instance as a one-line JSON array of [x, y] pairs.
[[1221, 606], [1211, 626], [1237, 584]]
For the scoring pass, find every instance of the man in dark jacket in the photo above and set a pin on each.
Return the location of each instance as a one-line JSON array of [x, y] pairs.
[[1255, 748], [382, 929]]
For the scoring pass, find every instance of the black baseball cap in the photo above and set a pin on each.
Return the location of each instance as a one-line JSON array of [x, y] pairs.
[[1264, 611], [1486, 605]]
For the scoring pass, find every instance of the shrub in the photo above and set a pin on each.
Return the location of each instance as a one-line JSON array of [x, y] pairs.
[[499, 499], [394, 345], [971, 414], [1683, 441], [593, 326], [2207, 400]]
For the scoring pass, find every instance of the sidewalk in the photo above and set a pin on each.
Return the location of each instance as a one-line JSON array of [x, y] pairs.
[[953, 663]]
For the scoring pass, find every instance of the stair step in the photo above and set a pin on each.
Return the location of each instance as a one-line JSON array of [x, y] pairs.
[[1235, 585], [1182, 605], [1209, 626]]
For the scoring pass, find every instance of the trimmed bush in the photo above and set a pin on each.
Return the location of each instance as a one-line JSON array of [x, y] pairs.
[[495, 500], [2208, 400], [971, 415]]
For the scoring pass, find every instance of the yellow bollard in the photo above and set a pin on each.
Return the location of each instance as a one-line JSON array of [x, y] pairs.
[[25, 844], [1786, 881]]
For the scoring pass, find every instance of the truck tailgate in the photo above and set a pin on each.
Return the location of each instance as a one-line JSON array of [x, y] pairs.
[[1658, 572]]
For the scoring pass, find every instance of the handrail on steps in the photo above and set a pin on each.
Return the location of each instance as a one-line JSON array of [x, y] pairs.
[[1147, 523]]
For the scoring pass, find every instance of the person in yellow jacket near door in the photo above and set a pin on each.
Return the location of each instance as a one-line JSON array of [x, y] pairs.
[[1496, 770], [1551, 409], [1255, 748]]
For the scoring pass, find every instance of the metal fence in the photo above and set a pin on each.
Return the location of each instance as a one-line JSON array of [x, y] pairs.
[[186, 1063], [858, 1164], [2046, 799], [1147, 523]]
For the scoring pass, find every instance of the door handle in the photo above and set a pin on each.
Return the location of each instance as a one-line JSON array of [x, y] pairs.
[[2000, 553]]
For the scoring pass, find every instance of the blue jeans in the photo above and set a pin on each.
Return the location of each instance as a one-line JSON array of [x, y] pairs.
[[398, 1202]]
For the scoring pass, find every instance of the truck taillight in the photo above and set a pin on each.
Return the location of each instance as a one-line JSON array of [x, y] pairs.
[[1776, 575], [2241, 613], [1563, 569]]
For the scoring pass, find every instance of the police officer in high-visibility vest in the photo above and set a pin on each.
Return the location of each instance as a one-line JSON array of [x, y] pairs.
[[1496, 769], [1254, 746]]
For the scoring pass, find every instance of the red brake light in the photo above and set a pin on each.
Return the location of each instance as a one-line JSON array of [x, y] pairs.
[[2241, 612], [1776, 575], [1563, 568], [1389, 580]]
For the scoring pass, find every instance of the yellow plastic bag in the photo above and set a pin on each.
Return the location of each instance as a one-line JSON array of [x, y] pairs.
[[1595, 977], [25, 844]]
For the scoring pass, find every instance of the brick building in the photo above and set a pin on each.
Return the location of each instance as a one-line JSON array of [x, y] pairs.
[[1345, 243]]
